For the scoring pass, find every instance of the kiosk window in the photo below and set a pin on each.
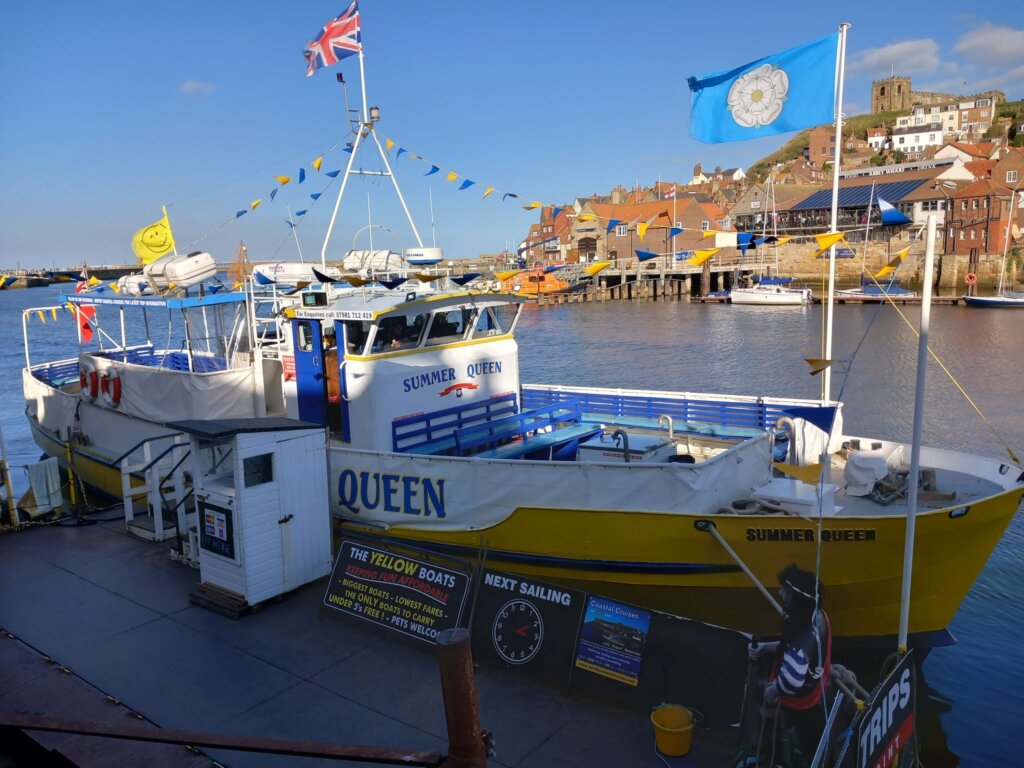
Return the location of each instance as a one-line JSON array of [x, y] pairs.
[[258, 469]]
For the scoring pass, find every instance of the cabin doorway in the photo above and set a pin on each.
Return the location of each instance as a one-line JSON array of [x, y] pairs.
[[310, 381]]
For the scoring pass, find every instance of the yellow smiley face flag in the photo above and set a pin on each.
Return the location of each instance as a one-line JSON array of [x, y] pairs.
[[152, 242]]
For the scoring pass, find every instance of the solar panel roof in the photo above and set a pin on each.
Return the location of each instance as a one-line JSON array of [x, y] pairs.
[[857, 197]]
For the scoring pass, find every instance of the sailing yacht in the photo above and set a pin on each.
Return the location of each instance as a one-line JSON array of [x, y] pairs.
[[765, 289]]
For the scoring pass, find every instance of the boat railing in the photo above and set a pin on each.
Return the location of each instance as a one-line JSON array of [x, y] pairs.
[[150, 478], [686, 412], [143, 443]]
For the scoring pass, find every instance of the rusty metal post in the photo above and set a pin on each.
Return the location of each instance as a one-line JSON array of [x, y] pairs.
[[466, 747]]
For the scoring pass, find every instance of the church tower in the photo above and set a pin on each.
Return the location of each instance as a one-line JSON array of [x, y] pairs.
[[890, 95]]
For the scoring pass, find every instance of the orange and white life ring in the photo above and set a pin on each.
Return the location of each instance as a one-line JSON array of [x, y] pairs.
[[970, 278], [88, 381], [110, 387]]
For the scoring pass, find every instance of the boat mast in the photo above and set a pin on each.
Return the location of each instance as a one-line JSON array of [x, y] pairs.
[[368, 120], [826, 381], [915, 448], [1006, 240]]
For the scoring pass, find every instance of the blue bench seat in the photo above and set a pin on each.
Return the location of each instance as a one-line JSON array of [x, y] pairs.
[[543, 445]]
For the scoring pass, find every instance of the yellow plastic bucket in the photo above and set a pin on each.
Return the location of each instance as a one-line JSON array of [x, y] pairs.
[[673, 729]]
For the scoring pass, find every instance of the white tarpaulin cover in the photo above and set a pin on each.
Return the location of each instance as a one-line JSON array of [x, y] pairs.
[[163, 395], [458, 493]]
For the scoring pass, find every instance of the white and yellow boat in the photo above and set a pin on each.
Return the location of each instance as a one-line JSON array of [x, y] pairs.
[[638, 495]]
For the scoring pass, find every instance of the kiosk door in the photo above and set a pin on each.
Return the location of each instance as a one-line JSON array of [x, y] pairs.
[[310, 383]]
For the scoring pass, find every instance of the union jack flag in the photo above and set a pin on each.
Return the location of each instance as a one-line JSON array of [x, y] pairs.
[[339, 38]]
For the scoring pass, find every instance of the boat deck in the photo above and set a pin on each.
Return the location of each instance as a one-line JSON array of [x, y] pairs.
[[100, 627]]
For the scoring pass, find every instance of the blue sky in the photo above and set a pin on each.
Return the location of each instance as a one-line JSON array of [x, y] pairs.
[[112, 109]]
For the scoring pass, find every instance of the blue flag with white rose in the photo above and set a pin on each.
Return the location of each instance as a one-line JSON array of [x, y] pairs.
[[787, 91]]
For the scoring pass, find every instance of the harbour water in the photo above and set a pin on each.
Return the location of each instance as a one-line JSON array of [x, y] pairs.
[[970, 703]]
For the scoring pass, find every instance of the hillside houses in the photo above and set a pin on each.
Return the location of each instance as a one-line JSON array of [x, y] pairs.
[[967, 185]]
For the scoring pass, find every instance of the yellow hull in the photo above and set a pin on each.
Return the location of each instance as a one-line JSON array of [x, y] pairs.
[[92, 470], [662, 561]]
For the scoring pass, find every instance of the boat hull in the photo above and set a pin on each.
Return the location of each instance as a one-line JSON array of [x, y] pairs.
[[1005, 302], [666, 563], [770, 296], [666, 559]]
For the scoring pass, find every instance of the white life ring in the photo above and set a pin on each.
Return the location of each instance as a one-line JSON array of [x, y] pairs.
[[88, 381], [110, 387]]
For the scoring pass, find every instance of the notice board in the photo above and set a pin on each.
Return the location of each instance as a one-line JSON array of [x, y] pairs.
[[398, 592]]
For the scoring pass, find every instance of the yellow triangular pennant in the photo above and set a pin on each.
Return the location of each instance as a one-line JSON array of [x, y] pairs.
[[825, 242], [641, 229], [115, 287], [282, 180], [53, 310], [784, 239], [388, 144], [700, 257], [709, 233], [531, 206], [507, 274], [487, 192], [809, 474], [595, 267], [452, 176], [318, 162], [818, 364], [41, 316], [255, 204], [893, 264]]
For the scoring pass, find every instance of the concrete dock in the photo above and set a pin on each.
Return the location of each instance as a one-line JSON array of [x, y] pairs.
[[98, 626]]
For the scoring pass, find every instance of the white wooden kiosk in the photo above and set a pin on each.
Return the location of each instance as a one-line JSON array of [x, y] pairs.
[[261, 498]]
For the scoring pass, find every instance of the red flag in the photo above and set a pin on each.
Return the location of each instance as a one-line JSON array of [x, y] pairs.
[[83, 315]]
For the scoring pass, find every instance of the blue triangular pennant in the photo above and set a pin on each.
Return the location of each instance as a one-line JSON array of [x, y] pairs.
[[821, 417]]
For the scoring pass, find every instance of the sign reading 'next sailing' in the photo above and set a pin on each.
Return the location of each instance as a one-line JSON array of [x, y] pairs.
[[396, 592]]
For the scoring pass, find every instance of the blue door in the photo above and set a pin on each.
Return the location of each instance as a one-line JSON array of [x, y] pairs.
[[310, 384]]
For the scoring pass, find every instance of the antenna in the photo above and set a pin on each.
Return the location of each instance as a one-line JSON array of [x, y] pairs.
[[295, 234], [433, 233]]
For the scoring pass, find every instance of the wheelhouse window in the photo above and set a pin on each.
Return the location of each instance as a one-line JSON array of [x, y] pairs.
[[356, 334], [448, 326], [487, 323], [397, 332]]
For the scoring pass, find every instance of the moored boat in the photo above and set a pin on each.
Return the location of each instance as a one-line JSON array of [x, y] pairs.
[[685, 502]]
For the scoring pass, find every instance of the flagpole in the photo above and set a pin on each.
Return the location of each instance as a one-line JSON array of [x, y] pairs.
[[826, 382], [915, 447], [174, 245]]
